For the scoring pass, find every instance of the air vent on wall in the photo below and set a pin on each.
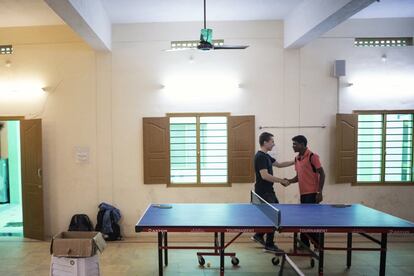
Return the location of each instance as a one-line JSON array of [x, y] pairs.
[[383, 41], [6, 49]]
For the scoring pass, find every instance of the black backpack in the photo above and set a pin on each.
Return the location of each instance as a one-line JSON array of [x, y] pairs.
[[80, 222], [115, 235]]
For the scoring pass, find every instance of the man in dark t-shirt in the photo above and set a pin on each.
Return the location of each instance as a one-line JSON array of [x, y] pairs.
[[263, 166]]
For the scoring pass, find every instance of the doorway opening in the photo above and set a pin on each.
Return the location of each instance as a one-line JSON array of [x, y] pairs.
[[11, 218]]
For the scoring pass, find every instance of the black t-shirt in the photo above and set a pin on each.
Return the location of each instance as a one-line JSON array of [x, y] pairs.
[[263, 161]]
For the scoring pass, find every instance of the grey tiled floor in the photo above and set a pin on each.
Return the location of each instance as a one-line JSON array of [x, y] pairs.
[[10, 217]]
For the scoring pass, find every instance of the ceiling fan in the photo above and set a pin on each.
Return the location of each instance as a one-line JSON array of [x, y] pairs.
[[206, 40]]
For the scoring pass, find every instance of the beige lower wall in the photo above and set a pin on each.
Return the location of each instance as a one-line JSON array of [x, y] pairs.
[[97, 101]]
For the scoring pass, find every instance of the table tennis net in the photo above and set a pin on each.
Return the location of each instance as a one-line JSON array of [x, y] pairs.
[[268, 209]]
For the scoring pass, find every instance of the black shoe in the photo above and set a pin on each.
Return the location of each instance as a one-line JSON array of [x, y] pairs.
[[273, 247], [302, 247], [258, 239]]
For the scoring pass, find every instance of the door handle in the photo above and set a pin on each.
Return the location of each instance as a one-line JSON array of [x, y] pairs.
[[39, 172]]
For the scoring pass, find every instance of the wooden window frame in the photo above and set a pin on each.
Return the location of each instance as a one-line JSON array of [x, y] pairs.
[[198, 115], [383, 182]]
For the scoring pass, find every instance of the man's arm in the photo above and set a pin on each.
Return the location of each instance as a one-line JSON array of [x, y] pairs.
[[321, 173], [283, 164], [321, 178], [268, 177]]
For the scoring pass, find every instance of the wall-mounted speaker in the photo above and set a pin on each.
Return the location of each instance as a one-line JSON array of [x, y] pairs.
[[339, 68]]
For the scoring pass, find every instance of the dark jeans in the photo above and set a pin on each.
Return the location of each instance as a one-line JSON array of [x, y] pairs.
[[307, 199], [271, 198]]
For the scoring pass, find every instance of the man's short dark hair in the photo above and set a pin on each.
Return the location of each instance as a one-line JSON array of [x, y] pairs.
[[300, 139], [264, 137]]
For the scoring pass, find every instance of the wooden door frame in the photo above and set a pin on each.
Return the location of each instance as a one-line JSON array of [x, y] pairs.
[[11, 118]]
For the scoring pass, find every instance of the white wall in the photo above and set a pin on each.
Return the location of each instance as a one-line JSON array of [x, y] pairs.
[[55, 58], [99, 100], [141, 67], [377, 85], [280, 87]]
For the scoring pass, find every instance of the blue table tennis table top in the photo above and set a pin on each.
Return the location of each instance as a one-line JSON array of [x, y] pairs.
[[246, 215]]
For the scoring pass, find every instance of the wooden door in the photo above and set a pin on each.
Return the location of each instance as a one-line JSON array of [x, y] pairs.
[[156, 150], [241, 149], [32, 187], [346, 147]]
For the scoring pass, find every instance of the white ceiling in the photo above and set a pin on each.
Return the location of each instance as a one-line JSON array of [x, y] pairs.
[[129, 11], [37, 12], [388, 9]]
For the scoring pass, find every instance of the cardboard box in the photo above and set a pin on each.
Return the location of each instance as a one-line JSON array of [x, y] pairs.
[[77, 244], [62, 266]]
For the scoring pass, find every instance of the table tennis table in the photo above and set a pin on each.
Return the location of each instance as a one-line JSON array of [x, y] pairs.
[[240, 218]]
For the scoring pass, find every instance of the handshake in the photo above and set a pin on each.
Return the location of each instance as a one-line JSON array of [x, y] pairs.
[[285, 182]]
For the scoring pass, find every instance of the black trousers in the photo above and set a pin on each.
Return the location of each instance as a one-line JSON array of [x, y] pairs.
[[271, 198], [307, 199]]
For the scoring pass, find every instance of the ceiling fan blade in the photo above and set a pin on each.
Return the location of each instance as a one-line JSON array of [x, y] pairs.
[[230, 47]]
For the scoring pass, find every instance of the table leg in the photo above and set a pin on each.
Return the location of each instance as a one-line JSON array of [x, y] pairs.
[[222, 254], [216, 243], [165, 249], [349, 250], [282, 265], [295, 242], [321, 252], [160, 267], [383, 257]]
